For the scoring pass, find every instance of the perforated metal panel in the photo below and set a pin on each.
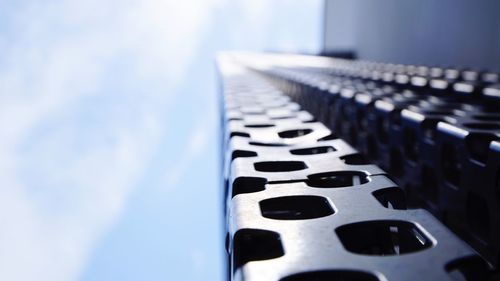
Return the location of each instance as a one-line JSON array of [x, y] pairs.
[[434, 130], [302, 204]]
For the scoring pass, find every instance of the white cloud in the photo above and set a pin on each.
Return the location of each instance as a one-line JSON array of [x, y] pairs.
[[65, 167], [84, 91]]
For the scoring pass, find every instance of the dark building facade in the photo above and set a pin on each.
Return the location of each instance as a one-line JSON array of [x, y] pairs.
[[459, 33]]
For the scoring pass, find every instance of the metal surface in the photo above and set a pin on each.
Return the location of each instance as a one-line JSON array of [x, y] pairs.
[[436, 141], [301, 204]]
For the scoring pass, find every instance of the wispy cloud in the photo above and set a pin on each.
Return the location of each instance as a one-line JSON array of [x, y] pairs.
[[84, 89]]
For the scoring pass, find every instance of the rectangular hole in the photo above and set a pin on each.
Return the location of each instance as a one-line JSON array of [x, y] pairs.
[[239, 134], [332, 275], [279, 166], [478, 216], [248, 185], [294, 133], [255, 245], [451, 165], [391, 197], [295, 207], [478, 147], [383, 238], [355, 159], [429, 184], [242, 153], [312, 150], [270, 144], [468, 269], [337, 179]]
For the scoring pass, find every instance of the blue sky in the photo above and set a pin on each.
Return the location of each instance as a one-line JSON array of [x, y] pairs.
[[109, 161]]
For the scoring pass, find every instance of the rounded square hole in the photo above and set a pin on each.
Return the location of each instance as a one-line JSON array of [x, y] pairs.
[[371, 147], [280, 166], [478, 146], [355, 159], [429, 129], [313, 150], [382, 126], [468, 269], [450, 163], [361, 120], [267, 144], [329, 137], [337, 179], [429, 184], [299, 207], [497, 185], [353, 136], [383, 238], [239, 134], [248, 185], [391, 197], [255, 245], [410, 144], [396, 162], [395, 118], [282, 117], [332, 275], [290, 134], [259, 125], [478, 215], [242, 153]]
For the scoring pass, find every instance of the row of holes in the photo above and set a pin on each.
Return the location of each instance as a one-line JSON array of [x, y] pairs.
[[477, 145], [336, 179], [476, 208], [277, 209], [255, 143], [391, 197], [451, 164], [289, 134], [395, 159], [297, 132], [374, 238], [277, 117], [328, 179], [478, 215], [354, 159], [303, 207], [301, 151], [299, 207]]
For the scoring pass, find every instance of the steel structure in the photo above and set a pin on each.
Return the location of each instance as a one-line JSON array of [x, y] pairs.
[[301, 203]]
